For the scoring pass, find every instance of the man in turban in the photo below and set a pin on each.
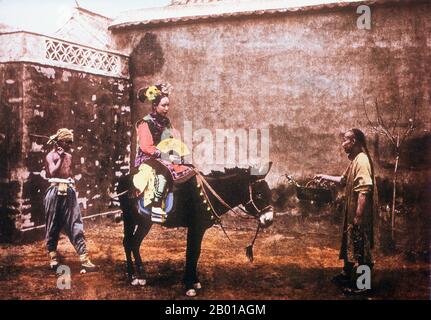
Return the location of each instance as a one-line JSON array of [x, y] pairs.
[[61, 203]]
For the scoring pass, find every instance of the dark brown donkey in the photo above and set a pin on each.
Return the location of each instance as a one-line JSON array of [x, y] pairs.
[[192, 200]]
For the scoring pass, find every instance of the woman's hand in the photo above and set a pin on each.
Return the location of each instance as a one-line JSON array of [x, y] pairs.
[[174, 158]]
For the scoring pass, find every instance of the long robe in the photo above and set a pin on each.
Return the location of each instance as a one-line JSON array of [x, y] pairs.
[[357, 241], [151, 130]]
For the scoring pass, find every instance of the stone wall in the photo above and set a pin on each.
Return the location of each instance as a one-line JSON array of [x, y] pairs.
[[11, 106], [37, 100], [303, 75]]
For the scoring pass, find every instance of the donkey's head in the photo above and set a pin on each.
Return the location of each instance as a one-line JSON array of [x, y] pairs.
[[246, 187], [258, 201]]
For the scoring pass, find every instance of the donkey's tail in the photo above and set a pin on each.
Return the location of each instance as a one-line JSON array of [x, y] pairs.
[[117, 195], [126, 203]]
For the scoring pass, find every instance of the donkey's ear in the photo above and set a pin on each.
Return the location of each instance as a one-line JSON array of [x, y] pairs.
[[260, 172]]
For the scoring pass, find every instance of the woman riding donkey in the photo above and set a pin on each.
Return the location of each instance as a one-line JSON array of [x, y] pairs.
[[199, 201], [151, 130]]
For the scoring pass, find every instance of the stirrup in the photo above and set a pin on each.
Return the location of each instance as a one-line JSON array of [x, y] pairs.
[[158, 215]]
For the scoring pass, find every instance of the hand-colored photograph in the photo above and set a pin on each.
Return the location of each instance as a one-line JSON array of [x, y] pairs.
[[215, 150]]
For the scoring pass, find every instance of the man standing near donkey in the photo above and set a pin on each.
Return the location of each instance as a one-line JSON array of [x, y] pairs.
[[360, 209], [60, 202]]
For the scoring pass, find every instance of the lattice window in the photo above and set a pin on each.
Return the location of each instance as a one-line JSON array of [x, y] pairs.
[[81, 56]]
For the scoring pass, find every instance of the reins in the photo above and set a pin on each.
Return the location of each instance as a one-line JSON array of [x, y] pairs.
[[250, 192], [201, 180]]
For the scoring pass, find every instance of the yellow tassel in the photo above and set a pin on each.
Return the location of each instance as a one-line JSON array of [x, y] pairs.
[[208, 209], [205, 201], [201, 194], [198, 185]]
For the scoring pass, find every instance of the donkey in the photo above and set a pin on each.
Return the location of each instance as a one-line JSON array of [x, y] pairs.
[[196, 212]]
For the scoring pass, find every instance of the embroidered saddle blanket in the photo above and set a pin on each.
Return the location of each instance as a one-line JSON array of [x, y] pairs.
[[144, 182]]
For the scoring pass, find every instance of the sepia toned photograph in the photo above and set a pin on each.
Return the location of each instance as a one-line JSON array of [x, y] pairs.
[[235, 150]]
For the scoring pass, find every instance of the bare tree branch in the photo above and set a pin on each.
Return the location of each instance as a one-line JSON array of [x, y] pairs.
[[368, 118], [398, 116], [388, 134], [378, 116], [412, 124], [382, 125], [393, 133]]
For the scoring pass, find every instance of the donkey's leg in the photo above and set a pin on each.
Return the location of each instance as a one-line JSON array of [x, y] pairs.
[[194, 241], [126, 204], [129, 227], [140, 233]]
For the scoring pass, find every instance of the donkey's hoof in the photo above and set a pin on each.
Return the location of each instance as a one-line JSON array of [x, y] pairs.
[[142, 282], [197, 286], [138, 282], [191, 293]]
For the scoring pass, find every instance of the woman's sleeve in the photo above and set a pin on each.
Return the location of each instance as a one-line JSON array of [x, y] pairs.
[[363, 178], [145, 139], [175, 133]]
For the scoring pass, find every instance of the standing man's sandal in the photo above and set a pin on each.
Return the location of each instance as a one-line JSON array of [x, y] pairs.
[[86, 263], [53, 260]]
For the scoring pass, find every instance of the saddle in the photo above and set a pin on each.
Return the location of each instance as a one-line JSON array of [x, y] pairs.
[[175, 174], [144, 183]]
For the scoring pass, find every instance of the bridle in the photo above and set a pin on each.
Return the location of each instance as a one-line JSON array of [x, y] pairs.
[[253, 204], [250, 203], [203, 182]]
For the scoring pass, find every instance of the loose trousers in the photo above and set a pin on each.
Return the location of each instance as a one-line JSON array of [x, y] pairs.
[[63, 212]]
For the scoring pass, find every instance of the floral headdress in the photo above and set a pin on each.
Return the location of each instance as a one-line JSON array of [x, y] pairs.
[[154, 92]]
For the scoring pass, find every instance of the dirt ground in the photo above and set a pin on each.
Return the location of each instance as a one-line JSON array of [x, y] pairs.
[[294, 259]]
